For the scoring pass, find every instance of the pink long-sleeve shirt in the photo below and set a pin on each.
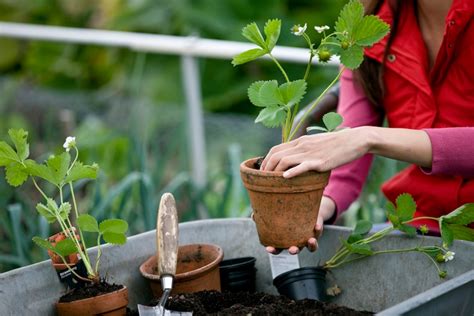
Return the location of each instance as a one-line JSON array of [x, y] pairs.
[[452, 148]]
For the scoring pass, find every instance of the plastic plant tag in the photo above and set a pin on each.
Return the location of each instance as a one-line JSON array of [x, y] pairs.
[[71, 281], [282, 262], [144, 310]]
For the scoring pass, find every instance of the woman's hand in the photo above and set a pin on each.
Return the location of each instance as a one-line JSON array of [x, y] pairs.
[[326, 211], [320, 152]]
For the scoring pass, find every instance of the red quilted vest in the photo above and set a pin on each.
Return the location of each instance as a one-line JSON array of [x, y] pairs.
[[418, 98]]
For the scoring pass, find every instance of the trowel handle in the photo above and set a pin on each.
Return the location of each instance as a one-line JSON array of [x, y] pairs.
[[167, 236]]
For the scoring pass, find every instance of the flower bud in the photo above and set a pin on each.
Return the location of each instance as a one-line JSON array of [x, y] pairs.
[[324, 55], [344, 45]]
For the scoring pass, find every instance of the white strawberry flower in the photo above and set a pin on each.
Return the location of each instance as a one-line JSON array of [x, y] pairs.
[[69, 143], [449, 256], [299, 30], [321, 29]]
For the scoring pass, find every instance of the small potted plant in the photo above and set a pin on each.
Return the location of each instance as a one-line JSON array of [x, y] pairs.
[[67, 248], [285, 209], [310, 282]]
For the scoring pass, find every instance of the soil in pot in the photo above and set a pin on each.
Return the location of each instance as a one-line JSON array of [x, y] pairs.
[[245, 303], [99, 298]]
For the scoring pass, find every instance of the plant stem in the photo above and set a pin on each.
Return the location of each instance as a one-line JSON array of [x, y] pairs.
[[280, 67], [316, 102], [422, 217], [77, 216], [39, 189], [99, 253], [72, 270]]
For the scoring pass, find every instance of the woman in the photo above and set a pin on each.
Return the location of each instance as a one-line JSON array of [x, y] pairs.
[[421, 79]]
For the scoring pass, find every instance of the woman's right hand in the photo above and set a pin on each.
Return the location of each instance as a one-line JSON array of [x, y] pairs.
[[327, 209]]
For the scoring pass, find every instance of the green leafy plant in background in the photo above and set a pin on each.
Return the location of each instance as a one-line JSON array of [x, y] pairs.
[[279, 102], [62, 172], [401, 215]]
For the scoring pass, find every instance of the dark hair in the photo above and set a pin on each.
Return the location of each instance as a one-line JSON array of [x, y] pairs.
[[370, 72]]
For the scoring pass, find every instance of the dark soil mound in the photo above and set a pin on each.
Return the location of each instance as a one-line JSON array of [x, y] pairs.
[[89, 290], [244, 303]]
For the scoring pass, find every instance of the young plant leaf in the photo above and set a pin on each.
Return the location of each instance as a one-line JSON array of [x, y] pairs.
[[352, 57], [247, 56], [114, 238], [292, 92], [463, 215], [272, 116], [37, 170], [80, 171], [88, 223], [64, 209], [332, 120], [16, 174], [370, 30], [409, 230], [43, 243], [362, 249], [65, 247], [58, 166], [7, 154], [349, 17], [264, 93], [353, 238], [19, 138], [446, 233], [362, 227], [252, 33], [44, 211], [272, 33], [406, 207], [461, 232], [117, 226]]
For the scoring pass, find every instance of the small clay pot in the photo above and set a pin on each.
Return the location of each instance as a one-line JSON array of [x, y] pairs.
[[302, 283], [238, 274], [197, 270], [284, 210], [110, 304]]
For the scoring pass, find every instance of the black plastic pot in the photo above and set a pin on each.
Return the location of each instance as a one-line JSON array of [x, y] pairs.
[[238, 274], [302, 283]]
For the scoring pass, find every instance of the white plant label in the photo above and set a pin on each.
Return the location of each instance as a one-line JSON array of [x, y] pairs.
[[283, 262]]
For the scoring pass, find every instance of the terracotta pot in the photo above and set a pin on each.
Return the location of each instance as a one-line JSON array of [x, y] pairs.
[[197, 270], [284, 210], [110, 304], [72, 259]]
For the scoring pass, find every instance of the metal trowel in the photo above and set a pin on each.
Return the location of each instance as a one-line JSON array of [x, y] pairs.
[[167, 255]]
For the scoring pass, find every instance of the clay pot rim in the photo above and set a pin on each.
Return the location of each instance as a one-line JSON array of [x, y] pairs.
[[244, 167], [89, 299], [188, 275]]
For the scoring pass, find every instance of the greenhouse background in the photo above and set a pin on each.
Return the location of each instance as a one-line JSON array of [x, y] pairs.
[[130, 110]]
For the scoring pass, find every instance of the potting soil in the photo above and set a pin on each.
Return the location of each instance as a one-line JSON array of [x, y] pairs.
[[89, 290]]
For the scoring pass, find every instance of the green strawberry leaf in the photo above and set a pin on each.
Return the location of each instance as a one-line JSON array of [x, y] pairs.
[[272, 116], [353, 238], [114, 238], [65, 247], [370, 30], [463, 215], [44, 211], [117, 226], [362, 227], [292, 92], [272, 33], [43, 243], [352, 57], [252, 33], [409, 230], [446, 233], [7, 154], [247, 56], [264, 93], [19, 138], [80, 171], [332, 120], [362, 249], [461, 232], [64, 209], [16, 174], [38, 170], [349, 17], [406, 207], [58, 166], [88, 223]]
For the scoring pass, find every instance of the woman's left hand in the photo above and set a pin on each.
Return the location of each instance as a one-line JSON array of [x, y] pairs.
[[320, 152]]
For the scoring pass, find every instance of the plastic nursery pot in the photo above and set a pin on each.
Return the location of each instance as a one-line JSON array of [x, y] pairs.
[[197, 270], [238, 274], [110, 304], [302, 283], [284, 210]]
